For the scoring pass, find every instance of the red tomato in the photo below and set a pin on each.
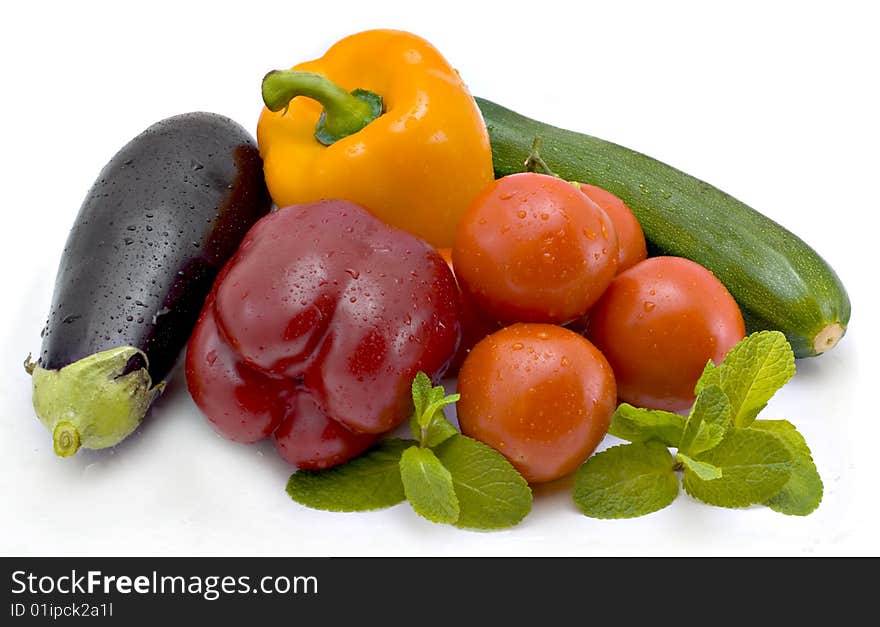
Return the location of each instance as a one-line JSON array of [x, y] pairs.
[[475, 325], [658, 324], [630, 237], [539, 394], [533, 248]]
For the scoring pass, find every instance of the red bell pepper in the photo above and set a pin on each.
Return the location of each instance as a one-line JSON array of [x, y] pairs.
[[315, 329]]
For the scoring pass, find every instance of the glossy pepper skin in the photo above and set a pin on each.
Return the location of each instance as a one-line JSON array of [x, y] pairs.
[[315, 329], [416, 166]]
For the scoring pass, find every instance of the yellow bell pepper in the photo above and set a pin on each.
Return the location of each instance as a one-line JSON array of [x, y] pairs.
[[385, 122]]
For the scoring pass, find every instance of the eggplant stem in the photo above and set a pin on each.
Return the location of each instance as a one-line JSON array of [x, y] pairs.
[[65, 439]]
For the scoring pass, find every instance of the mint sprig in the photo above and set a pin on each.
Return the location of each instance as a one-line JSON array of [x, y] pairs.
[[446, 476], [428, 423], [725, 457]]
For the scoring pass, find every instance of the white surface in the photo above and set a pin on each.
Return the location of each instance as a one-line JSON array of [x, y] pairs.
[[775, 103]]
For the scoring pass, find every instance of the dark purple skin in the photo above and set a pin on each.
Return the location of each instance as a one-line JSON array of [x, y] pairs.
[[154, 230]]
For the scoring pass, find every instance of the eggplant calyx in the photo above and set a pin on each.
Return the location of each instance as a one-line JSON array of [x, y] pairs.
[[94, 402]]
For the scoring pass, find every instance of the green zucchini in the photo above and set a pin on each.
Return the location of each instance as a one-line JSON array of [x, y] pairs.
[[778, 281]]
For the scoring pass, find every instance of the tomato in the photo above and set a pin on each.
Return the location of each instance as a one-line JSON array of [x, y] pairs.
[[539, 394], [532, 248], [658, 324], [630, 237], [475, 325]]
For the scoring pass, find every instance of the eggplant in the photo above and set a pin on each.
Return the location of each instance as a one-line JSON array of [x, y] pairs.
[[158, 224]]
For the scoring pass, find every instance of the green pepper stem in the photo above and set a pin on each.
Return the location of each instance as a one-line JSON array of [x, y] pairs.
[[344, 113]]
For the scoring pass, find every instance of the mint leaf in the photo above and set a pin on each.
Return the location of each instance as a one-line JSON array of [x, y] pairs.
[[428, 423], [706, 472], [710, 376], [438, 431], [371, 481], [491, 493], [708, 421], [428, 485], [803, 492], [754, 466], [626, 481], [640, 425], [752, 371], [421, 392]]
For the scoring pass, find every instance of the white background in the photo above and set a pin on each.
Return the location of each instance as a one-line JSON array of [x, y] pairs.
[[775, 103]]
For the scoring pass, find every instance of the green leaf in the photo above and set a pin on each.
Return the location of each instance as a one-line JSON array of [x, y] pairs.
[[371, 481], [754, 466], [752, 372], [421, 392], [707, 423], [491, 493], [428, 485], [438, 431], [626, 481], [428, 423], [803, 492], [640, 425], [709, 377], [706, 472]]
